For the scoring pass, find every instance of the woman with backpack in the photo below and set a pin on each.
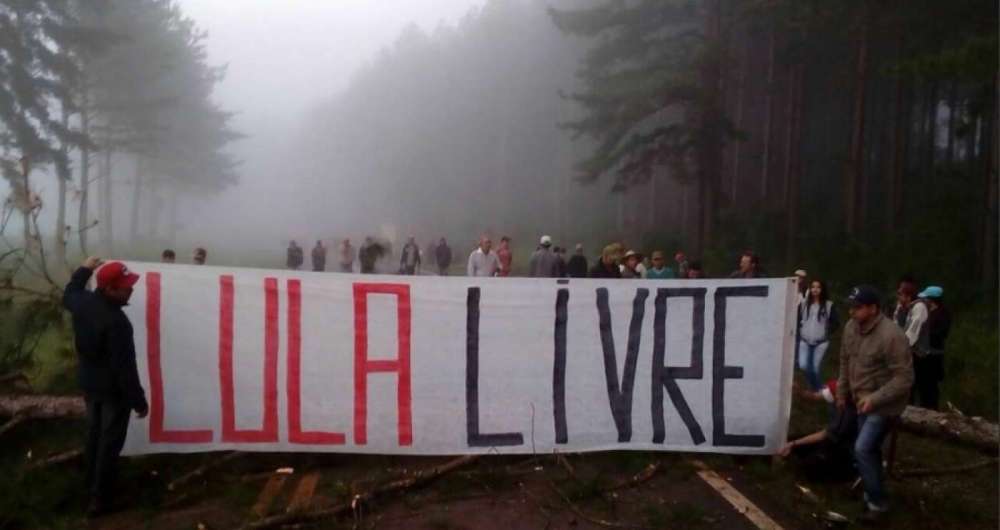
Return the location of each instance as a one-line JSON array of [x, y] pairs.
[[817, 322]]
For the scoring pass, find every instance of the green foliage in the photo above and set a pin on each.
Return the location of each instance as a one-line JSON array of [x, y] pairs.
[[642, 99], [23, 324]]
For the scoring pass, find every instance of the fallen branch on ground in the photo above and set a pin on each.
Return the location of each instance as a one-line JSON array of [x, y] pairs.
[[42, 407], [61, 458], [13, 422], [417, 479], [973, 432], [199, 471], [946, 470], [645, 475]]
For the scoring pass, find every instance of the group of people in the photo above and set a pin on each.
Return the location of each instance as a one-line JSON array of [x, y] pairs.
[[887, 361], [547, 261], [198, 257], [367, 255]]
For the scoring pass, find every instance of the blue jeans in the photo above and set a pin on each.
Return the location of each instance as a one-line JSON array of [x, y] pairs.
[[810, 361], [872, 429]]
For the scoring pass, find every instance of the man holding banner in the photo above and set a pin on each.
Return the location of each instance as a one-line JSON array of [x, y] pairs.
[[107, 370], [876, 373]]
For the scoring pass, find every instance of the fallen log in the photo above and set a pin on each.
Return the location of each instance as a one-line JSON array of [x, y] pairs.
[[54, 460], [417, 479], [42, 407], [961, 429]]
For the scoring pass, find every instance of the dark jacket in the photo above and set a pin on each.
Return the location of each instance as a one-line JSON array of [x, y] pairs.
[[104, 345], [938, 326], [600, 271], [443, 254], [577, 266]]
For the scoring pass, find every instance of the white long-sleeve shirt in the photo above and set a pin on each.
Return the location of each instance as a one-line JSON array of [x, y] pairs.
[[915, 320], [483, 264]]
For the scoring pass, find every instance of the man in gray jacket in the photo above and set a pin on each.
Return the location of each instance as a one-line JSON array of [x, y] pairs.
[[544, 263], [876, 374]]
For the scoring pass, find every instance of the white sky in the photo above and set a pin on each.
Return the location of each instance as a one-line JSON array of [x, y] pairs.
[[284, 57], [297, 52]]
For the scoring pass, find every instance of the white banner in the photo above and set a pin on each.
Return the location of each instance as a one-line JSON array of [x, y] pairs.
[[263, 360]]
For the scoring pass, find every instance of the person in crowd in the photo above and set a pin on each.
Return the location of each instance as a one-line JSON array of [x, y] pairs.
[[577, 266], [107, 370], [802, 284], [443, 255], [483, 262], [168, 256], [659, 269], [630, 265], [876, 374], [916, 330], [319, 257], [906, 293], [749, 263], [200, 256], [817, 322], [607, 266], [368, 254], [827, 454], [544, 263], [429, 253], [928, 351], [682, 264], [506, 257], [561, 256], [695, 272], [346, 255], [295, 256], [409, 258]]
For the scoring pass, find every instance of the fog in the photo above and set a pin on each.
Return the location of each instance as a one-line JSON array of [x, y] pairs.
[[284, 59], [352, 128]]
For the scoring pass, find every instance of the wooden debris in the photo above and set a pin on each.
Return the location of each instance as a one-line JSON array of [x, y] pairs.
[[200, 471], [11, 423], [267, 495], [958, 428], [414, 480], [645, 475], [303, 496], [61, 458], [42, 407]]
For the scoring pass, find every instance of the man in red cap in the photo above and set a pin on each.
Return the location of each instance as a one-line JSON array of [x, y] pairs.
[[107, 371]]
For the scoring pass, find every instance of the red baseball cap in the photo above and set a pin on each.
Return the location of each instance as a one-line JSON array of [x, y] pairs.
[[115, 274]]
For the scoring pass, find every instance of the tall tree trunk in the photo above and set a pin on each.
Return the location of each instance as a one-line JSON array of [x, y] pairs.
[[106, 221], [855, 159], [83, 222], [952, 115], [133, 229], [988, 259], [172, 218], [738, 145], [793, 162], [897, 163], [710, 130], [63, 176], [768, 112], [932, 116]]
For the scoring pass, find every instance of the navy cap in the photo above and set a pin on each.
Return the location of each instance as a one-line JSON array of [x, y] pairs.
[[864, 295]]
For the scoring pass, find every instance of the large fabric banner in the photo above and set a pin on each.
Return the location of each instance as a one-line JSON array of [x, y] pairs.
[[263, 360]]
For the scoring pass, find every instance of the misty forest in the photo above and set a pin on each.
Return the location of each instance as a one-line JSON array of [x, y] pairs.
[[856, 139]]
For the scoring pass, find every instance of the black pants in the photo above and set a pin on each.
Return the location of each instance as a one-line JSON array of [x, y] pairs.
[[928, 372], [107, 424]]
